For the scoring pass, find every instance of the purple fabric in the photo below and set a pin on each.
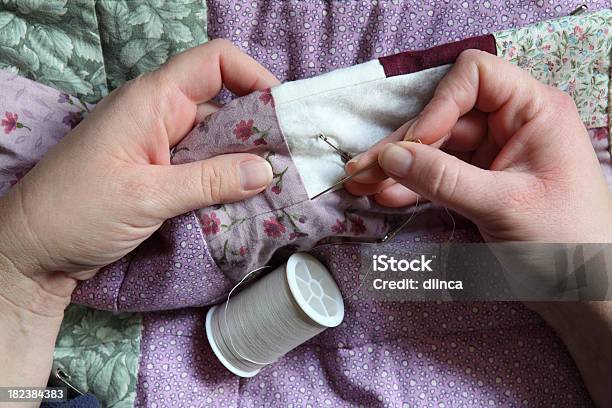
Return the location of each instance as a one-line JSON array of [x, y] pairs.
[[301, 39], [413, 61], [421, 354], [383, 354]]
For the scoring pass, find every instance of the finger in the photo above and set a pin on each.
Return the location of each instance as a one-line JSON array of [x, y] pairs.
[[201, 72], [374, 175], [221, 179], [444, 179], [197, 75], [396, 195], [206, 109], [361, 189], [468, 133], [485, 82]]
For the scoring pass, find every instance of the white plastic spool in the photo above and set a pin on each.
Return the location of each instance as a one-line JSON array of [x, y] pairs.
[[314, 291]]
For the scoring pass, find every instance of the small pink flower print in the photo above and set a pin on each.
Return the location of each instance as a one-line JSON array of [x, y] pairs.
[[244, 130], [550, 29], [579, 32], [273, 227], [276, 189], [600, 134], [339, 227], [10, 123], [266, 97], [546, 47], [210, 224], [243, 250], [357, 226]]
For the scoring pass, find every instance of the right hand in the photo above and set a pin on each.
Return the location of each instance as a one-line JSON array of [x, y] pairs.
[[518, 160]]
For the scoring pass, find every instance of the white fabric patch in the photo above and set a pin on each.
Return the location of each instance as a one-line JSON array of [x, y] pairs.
[[354, 107]]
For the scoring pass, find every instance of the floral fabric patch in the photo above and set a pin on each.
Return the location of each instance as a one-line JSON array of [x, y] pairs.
[[572, 53], [89, 47], [100, 352]]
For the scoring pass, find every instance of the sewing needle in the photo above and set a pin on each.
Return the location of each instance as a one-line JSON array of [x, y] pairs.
[[345, 179]]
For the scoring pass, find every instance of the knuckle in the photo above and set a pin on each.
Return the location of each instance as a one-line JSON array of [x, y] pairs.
[[562, 100], [138, 193], [212, 183], [443, 180]]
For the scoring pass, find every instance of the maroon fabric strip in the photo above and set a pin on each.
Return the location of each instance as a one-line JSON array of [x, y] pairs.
[[414, 61]]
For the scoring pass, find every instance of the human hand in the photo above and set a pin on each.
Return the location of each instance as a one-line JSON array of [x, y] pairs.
[[520, 165], [108, 185], [518, 160]]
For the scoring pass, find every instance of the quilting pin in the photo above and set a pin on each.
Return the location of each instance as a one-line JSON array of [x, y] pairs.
[[345, 179]]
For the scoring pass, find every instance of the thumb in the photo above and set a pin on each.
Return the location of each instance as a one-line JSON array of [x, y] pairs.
[[221, 179], [442, 178]]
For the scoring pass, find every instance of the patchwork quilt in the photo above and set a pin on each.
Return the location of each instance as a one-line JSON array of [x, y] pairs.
[[385, 353]]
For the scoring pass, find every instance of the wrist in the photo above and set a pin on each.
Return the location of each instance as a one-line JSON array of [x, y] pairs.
[[24, 283], [33, 293]]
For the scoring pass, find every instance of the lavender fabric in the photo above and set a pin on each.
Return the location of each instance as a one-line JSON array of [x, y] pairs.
[[384, 354], [301, 39], [420, 354]]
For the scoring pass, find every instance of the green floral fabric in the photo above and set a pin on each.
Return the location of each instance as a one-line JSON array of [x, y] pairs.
[[88, 47], [100, 352], [572, 53]]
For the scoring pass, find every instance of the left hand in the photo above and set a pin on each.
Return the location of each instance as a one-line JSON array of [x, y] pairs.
[[106, 187]]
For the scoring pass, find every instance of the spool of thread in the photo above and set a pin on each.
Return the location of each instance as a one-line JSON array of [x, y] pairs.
[[274, 315]]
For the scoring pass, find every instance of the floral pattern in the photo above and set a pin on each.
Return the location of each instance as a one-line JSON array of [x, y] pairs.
[[245, 129], [266, 97], [100, 352], [210, 224], [277, 176], [350, 222], [273, 227], [571, 53], [88, 47], [10, 123]]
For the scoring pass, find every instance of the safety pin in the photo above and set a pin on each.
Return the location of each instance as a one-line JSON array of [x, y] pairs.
[[345, 156], [64, 378], [579, 10]]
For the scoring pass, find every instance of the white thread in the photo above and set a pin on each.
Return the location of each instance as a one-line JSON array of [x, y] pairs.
[[274, 315]]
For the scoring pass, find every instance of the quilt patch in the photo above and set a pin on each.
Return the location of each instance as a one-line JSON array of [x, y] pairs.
[[571, 53], [89, 47]]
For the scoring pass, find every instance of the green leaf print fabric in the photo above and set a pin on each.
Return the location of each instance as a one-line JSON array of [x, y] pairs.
[[100, 352], [139, 36], [88, 47]]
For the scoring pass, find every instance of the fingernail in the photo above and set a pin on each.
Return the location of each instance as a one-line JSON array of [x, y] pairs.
[[354, 160], [409, 136], [255, 174], [396, 160]]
